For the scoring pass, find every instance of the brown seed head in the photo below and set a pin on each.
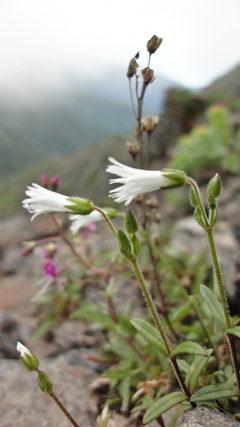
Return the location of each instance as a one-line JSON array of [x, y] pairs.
[[153, 44], [132, 68], [150, 124], [133, 148], [147, 74]]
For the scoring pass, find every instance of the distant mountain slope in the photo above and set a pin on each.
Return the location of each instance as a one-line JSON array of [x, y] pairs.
[[55, 122], [81, 174], [225, 88]]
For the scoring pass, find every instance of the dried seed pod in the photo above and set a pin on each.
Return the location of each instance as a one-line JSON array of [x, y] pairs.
[[147, 74], [133, 148], [150, 124], [132, 68], [153, 44]]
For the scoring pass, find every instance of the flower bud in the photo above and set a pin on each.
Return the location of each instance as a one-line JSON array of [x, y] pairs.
[[132, 68], [133, 148], [177, 177], [147, 75], [28, 358], [214, 186], [153, 44], [131, 223], [44, 382], [80, 206], [111, 213], [55, 183], [149, 124], [212, 202], [28, 248], [49, 250], [44, 181]]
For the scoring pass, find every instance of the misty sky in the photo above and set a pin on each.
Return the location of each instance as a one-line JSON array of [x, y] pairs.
[[46, 41]]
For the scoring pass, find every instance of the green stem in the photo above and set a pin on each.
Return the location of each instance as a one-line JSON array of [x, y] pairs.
[[108, 221], [65, 411], [208, 229], [160, 328]]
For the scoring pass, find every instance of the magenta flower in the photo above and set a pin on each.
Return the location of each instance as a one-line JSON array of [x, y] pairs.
[[50, 269]]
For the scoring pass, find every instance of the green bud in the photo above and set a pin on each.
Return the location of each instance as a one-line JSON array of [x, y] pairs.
[[28, 358], [44, 383], [135, 244], [80, 206], [178, 178], [131, 223], [111, 213], [199, 218], [129, 255], [193, 198], [214, 186], [212, 202], [124, 242]]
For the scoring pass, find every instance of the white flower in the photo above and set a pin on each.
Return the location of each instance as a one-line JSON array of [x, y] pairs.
[[40, 200], [79, 221], [23, 350], [135, 181]]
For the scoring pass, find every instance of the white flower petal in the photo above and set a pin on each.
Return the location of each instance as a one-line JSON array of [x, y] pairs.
[[79, 221], [40, 200], [22, 349], [135, 181]]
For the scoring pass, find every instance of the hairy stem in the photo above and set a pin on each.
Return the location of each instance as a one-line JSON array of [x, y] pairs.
[[65, 411]]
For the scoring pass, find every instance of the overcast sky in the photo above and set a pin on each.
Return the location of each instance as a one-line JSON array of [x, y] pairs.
[[46, 40]]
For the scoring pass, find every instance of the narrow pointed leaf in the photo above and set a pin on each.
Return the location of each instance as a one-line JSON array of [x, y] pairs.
[[189, 347], [150, 334], [162, 405], [214, 306], [212, 392], [195, 370]]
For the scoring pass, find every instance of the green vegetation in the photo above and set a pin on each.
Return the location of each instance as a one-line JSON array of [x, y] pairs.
[[210, 146]]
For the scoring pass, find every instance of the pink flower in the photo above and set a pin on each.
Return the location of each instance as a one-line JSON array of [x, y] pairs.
[[50, 269]]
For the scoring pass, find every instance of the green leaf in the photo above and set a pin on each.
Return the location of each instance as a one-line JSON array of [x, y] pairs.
[[182, 311], [234, 331], [151, 334], [162, 405], [147, 401], [212, 392], [90, 313], [214, 306], [188, 347], [124, 390], [195, 370], [131, 223], [183, 365]]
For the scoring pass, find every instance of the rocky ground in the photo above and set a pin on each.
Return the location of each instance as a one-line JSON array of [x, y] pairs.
[[66, 356]]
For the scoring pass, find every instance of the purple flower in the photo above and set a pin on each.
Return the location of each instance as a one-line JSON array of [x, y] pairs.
[[50, 269]]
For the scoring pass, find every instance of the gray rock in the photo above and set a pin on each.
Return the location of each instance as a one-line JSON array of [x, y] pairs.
[[23, 404], [204, 416]]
